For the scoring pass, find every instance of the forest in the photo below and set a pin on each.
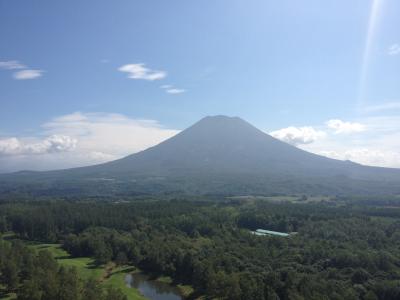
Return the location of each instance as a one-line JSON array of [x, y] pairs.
[[344, 248]]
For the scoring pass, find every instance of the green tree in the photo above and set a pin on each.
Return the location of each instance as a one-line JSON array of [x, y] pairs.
[[68, 284], [10, 275], [103, 253], [91, 290], [30, 290], [121, 258]]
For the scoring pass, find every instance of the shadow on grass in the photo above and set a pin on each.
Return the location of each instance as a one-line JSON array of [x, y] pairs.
[[43, 247], [9, 236], [94, 265], [124, 271], [4, 294], [63, 257]]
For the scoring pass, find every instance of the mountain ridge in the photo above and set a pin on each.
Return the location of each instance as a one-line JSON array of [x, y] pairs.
[[221, 154]]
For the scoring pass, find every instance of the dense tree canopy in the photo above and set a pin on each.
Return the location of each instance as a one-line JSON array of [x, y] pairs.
[[341, 250]]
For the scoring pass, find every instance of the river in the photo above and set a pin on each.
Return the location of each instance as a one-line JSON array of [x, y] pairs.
[[152, 289]]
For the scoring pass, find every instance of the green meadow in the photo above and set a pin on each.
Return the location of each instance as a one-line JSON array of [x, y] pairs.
[[106, 274]]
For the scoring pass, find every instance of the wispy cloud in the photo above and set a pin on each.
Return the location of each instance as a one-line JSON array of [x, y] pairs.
[[394, 49], [139, 71], [80, 139], [382, 107], [170, 89], [377, 146], [345, 127], [298, 135], [11, 65], [366, 156], [27, 74], [24, 72], [175, 91]]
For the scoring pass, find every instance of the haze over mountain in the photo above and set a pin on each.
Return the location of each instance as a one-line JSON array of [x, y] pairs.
[[217, 155]]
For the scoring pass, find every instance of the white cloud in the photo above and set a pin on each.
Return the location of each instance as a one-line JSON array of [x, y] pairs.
[[51, 144], [377, 146], [11, 65], [170, 89], [23, 73], [394, 49], [9, 146], [366, 156], [345, 127], [175, 91], [382, 107], [59, 143], [100, 156], [27, 74], [99, 137], [139, 71], [298, 135]]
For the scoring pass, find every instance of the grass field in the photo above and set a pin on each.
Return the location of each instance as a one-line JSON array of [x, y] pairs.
[[84, 265], [117, 279], [107, 274]]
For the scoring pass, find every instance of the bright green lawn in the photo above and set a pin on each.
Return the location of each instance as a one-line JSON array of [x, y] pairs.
[[84, 265], [86, 269], [117, 279]]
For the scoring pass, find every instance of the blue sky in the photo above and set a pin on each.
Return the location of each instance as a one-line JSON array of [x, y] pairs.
[[278, 64]]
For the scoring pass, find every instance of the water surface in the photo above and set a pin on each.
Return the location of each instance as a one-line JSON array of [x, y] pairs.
[[152, 289]]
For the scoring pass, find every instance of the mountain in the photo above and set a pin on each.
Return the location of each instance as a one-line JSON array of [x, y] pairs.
[[217, 155]]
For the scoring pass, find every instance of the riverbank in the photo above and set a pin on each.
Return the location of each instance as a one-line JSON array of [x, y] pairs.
[[159, 288], [107, 274], [185, 290]]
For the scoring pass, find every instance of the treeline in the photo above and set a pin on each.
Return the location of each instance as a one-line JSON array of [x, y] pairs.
[[37, 276], [379, 201], [344, 252]]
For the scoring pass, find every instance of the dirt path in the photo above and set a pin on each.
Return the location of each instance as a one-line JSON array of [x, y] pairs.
[[107, 271]]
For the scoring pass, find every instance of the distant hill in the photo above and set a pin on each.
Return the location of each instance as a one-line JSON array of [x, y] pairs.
[[217, 155]]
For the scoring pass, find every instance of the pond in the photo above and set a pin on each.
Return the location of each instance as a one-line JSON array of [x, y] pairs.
[[152, 289]]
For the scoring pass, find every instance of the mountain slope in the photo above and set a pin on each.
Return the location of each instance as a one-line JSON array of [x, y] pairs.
[[221, 155]]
